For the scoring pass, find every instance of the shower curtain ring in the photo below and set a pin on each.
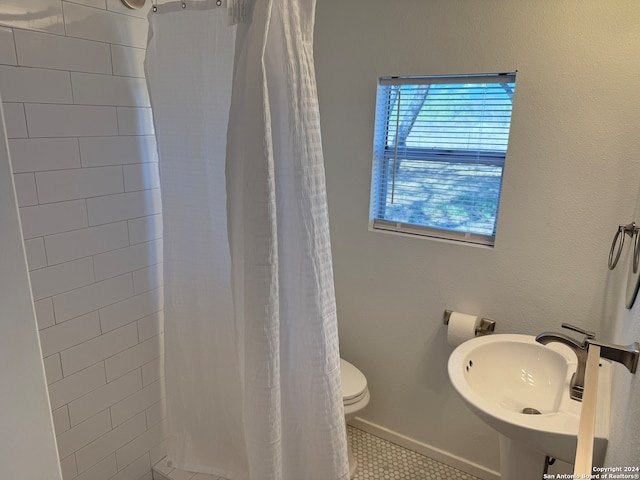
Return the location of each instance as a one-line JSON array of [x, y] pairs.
[[613, 260], [184, 4]]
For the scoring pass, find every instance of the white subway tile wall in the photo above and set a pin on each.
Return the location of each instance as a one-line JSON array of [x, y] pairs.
[[61, 185], [53, 369], [61, 420], [35, 85], [44, 312], [152, 372], [40, 220], [112, 441], [26, 189], [75, 386], [61, 53], [125, 149], [94, 24], [92, 3], [102, 470], [147, 278], [44, 15], [14, 120], [85, 168], [68, 466], [68, 334], [133, 404], [43, 154], [7, 52], [135, 121], [36, 255], [48, 120], [118, 6], [127, 61]]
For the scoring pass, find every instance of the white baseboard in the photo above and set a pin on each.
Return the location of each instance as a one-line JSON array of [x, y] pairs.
[[426, 450]]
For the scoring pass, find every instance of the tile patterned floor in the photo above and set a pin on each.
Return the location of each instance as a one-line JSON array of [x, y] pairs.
[[378, 459]]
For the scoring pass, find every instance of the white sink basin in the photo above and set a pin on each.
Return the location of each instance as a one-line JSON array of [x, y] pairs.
[[501, 376]]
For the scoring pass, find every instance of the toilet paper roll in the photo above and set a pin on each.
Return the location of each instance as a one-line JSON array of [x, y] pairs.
[[461, 327]]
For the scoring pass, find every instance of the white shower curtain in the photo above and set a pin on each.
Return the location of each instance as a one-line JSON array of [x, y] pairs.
[[251, 354]]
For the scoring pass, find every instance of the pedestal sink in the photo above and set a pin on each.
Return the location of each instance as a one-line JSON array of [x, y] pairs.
[[520, 388]]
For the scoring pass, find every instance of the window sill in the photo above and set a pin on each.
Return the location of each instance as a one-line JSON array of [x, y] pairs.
[[446, 236]]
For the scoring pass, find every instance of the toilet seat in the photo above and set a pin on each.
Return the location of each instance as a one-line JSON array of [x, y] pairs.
[[354, 383], [355, 397]]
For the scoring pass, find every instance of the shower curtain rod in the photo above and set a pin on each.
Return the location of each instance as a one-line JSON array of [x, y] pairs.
[[183, 4], [238, 10]]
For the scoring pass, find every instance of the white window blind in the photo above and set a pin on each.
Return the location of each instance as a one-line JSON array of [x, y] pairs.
[[439, 151]]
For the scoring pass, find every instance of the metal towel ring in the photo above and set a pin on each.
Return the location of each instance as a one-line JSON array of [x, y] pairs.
[[636, 252], [632, 230]]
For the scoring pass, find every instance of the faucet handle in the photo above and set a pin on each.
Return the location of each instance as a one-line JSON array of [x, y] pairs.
[[589, 335]]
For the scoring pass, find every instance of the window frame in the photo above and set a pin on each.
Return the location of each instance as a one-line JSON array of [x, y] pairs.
[[383, 153]]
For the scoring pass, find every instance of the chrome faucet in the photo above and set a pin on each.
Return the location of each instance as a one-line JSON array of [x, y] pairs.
[[627, 355], [579, 348]]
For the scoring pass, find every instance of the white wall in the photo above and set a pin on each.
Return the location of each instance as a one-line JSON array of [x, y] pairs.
[[571, 177], [85, 169]]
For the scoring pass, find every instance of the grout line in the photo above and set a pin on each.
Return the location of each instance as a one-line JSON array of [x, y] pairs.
[[15, 47], [111, 58], [71, 82], [64, 20], [26, 123]]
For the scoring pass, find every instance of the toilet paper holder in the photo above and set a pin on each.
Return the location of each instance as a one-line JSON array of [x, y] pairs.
[[484, 327]]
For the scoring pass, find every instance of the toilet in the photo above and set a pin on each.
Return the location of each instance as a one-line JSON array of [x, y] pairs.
[[355, 396]]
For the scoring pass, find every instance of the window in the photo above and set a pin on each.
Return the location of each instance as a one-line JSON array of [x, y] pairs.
[[439, 152]]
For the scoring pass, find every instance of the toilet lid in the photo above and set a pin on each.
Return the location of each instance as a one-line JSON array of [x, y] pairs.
[[354, 383]]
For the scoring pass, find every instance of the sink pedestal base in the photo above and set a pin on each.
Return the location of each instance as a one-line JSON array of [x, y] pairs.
[[518, 461]]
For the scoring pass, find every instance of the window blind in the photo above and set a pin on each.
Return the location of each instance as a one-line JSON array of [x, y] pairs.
[[439, 153]]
